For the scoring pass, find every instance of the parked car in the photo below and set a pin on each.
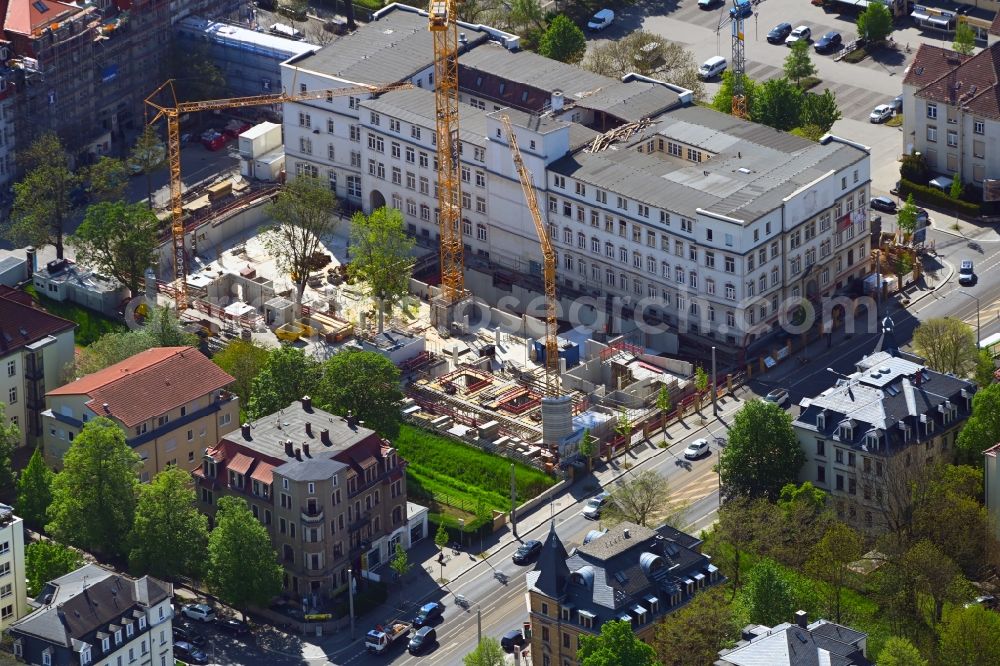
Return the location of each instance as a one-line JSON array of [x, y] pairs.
[[423, 639], [592, 511], [601, 20], [512, 640], [966, 272], [743, 9], [233, 626], [189, 653], [894, 190], [897, 104], [880, 113], [779, 32], [712, 68], [801, 33], [697, 449], [884, 204], [778, 397], [831, 41], [200, 612], [985, 600], [707, 4], [942, 183], [184, 631], [428, 613], [527, 551]]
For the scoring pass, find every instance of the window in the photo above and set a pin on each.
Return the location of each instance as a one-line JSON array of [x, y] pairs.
[[821, 474], [730, 265], [710, 259], [415, 132], [952, 138], [11, 368], [481, 232], [395, 150], [932, 134], [979, 127], [6, 590], [730, 291], [354, 186], [12, 396], [932, 110], [305, 120]]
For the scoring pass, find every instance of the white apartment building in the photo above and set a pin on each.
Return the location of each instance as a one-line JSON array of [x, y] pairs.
[[13, 588], [712, 225]]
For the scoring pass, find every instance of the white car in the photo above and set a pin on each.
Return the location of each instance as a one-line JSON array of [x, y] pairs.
[[200, 612], [881, 113], [592, 511], [601, 20], [801, 34], [696, 449]]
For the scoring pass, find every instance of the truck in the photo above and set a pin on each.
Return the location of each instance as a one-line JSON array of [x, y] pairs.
[[379, 639]]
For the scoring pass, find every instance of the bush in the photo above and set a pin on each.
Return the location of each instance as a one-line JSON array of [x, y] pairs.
[[371, 5], [856, 56], [809, 82], [933, 196]]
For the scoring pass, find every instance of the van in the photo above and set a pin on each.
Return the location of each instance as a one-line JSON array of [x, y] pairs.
[[287, 31], [707, 4], [601, 20], [712, 68], [423, 639]]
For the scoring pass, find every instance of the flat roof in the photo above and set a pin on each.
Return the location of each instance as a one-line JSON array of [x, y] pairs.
[[225, 33], [417, 107]]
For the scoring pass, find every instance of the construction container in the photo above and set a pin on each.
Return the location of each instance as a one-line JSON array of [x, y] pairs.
[[568, 351], [220, 190], [268, 166], [259, 140]]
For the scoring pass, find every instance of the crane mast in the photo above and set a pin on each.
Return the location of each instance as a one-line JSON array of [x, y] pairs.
[[549, 265], [739, 66]]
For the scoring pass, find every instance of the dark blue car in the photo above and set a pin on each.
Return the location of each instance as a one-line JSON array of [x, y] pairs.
[[428, 613], [828, 42], [743, 9]]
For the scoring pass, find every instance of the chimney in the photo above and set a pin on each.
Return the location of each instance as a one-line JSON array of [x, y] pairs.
[[352, 421], [801, 618], [305, 450], [557, 100], [32, 263], [462, 39], [309, 428], [626, 534], [298, 454], [288, 448], [245, 429], [107, 408], [307, 403], [324, 436]]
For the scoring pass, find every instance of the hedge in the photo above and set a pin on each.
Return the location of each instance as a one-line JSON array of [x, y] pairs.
[[856, 56], [931, 195]]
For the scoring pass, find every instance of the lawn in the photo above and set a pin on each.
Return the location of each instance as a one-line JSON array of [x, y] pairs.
[[90, 325]]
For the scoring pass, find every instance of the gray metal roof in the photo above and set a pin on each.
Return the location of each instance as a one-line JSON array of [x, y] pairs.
[[791, 645], [631, 101], [312, 469], [533, 70], [416, 106]]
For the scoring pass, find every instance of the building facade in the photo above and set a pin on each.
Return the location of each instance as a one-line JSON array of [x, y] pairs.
[[713, 226], [630, 573], [95, 616], [172, 403], [35, 348], [13, 588], [868, 437], [331, 493]]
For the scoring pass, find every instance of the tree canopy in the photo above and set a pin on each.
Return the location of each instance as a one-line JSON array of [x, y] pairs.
[[563, 41], [642, 499], [10, 439], [365, 384], [107, 179], [830, 562], [287, 375], [906, 218], [244, 360], [487, 653], [982, 429], [648, 54], [763, 453], [616, 645], [948, 345], [46, 560], [798, 62], [965, 39], [169, 534], [819, 110], [875, 22], [42, 203], [900, 652], [777, 103], [380, 256], [971, 637], [148, 154], [985, 368], [161, 329], [693, 635], [34, 491], [119, 239], [767, 595], [723, 100]]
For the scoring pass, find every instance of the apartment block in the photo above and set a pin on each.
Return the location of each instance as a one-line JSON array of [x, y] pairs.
[[331, 492], [13, 588], [172, 403]]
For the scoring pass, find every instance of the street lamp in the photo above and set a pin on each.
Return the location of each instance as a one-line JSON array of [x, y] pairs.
[[975, 298], [461, 531], [350, 597]]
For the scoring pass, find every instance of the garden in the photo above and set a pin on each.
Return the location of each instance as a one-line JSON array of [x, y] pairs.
[[90, 325]]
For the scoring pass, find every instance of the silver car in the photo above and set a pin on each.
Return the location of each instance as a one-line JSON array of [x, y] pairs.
[[592, 510]]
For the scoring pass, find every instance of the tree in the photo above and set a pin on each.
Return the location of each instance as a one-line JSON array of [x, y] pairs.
[[526, 13], [741, 521], [563, 41], [906, 218], [10, 439], [170, 535], [900, 652], [819, 110], [965, 39], [400, 564], [112, 348], [948, 345], [666, 61], [34, 491], [202, 77], [935, 575], [982, 429], [108, 179], [166, 330], [641, 499], [380, 251], [768, 596], [94, 496], [42, 206], [665, 405], [587, 447], [623, 427], [119, 239], [365, 384], [148, 154], [723, 100], [985, 369], [777, 103], [875, 23], [616, 645], [242, 565], [441, 536], [700, 379], [47, 560], [913, 167], [971, 637], [287, 375], [956, 186], [694, 635], [798, 63], [487, 653], [802, 518], [303, 214], [244, 360], [763, 453], [831, 559]]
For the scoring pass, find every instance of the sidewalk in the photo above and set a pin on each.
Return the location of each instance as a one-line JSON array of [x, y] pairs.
[[456, 566]]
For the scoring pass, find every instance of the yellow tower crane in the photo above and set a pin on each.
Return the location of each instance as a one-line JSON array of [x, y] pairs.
[[171, 110], [442, 17], [549, 265]]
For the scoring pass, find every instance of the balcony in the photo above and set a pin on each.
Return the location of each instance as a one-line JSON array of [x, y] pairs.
[[312, 514], [360, 521]]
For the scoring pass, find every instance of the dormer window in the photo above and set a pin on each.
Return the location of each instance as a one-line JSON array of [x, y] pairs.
[[129, 630], [85, 655], [821, 421], [142, 623], [208, 467], [47, 657], [18, 648], [118, 637], [106, 644], [235, 480], [871, 440], [846, 431]]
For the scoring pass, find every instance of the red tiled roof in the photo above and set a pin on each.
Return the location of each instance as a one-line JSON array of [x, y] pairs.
[[22, 324], [240, 463], [149, 384], [264, 473], [23, 16], [972, 82], [995, 26]]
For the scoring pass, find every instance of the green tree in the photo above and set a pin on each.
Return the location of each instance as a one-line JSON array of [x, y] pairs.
[[166, 330], [441, 536], [400, 564], [985, 369], [741, 523], [47, 560], [723, 100], [900, 652], [965, 39], [34, 491], [623, 427], [148, 154], [526, 14], [831, 559], [947, 344], [42, 207], [242, 565], [487, 653], [982, 429], [287, 375], [777, 103], [913, 167], [648, 54], [763, 453], [244, 360], [665, 405], [365, 384], [956, 186], [700, 379], [169, 534], [970, 637], [875, 23], [94, 496], [112, 348], [108, 179], [693, 635], [935, 575], [10, 439], [617, 644], [806, 495], [587, 447], [798, 62], [819, 110], [563, 41], [381, 257], [304, 221], [800, 521], [768, 596], [642, 499], [119, 239], [906, 218]]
